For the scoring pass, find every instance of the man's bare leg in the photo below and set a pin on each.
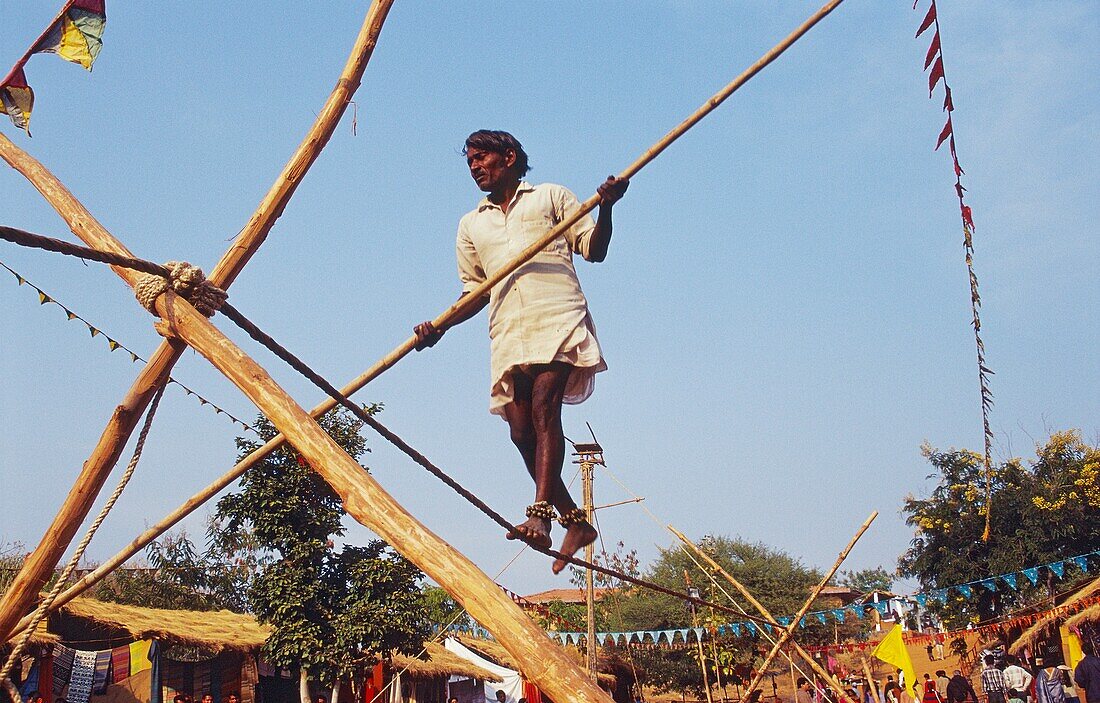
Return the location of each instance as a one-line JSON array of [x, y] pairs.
[[522, 429], [534, 418]]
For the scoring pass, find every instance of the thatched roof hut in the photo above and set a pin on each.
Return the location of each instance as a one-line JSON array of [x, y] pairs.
[[113, 623], [495, 652], [440, 662], [1042, 627]]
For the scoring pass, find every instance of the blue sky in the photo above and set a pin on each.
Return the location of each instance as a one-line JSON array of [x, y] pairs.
[[784, 308]]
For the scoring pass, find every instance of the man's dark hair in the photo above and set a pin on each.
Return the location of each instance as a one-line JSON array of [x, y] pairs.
[[990, 660], [801, 680], [179, 698], [498, 142]]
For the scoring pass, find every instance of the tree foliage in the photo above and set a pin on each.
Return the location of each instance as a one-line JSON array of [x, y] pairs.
[[1044, 510], [328, 607], [176, 576], [867, 580]]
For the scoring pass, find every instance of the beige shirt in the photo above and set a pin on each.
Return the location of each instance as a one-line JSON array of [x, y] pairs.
[[538, 313]]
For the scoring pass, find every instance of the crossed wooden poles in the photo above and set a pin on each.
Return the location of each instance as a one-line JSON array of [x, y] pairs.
[[364, 499]]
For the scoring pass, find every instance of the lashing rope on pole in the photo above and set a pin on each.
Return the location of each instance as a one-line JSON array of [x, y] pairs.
[[44, 607]]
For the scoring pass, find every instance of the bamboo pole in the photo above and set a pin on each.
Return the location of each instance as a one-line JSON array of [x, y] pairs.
[[820, 670], [391, 359], [786, 632], [464, 303], [870, 680], [36, 570]]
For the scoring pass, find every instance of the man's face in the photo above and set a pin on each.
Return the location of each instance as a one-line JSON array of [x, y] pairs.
[[233, 699], [500, 696], [208, 698], [489, 169]]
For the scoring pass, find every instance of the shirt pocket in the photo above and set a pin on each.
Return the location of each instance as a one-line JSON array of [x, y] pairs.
[[535, 226]]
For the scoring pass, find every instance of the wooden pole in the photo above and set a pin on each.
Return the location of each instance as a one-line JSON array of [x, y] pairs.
[[785, 633], [698, 641], [443, 320], [589, 577], [870, 680], [820, 670], [38, 567], [541, 661]]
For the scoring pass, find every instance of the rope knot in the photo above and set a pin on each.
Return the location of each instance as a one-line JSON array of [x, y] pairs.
[[185, 280]]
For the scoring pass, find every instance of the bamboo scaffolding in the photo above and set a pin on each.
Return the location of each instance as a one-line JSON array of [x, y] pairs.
[[400, 352], [788, 631], [38, 567], [820, 670]]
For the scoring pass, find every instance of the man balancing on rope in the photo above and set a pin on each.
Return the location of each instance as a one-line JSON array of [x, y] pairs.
[[543, 342]]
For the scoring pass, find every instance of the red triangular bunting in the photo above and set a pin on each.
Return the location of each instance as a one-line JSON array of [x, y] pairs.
[[935, 76], [932, 51], [944, 134], [928, 19], [968, 216]]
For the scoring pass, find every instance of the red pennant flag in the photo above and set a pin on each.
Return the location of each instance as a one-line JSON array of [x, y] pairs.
[[944, 134], [968, 216], [928, 19], [948, 104], [935, 76], [932, 51]]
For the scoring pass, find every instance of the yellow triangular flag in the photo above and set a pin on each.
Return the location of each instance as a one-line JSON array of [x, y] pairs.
[[43, 298], [892, 651]]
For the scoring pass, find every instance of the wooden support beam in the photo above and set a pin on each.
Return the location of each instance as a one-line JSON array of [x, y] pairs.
[[785, 633], [820, 670], [38, 567], [541, 660]]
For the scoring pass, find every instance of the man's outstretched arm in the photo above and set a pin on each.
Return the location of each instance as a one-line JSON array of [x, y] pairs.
[[610, 192], [426, 333]]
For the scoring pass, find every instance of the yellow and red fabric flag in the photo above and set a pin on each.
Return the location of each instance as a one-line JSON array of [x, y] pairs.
[[74, 35], [892, 651]]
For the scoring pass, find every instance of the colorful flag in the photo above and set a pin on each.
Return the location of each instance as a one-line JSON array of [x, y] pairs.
[[892, 651], [75, 35]]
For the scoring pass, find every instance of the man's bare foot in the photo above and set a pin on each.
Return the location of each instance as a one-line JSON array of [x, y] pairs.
[[578, 536], [535, 530]]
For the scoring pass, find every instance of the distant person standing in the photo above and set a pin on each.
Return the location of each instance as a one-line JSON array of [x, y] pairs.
[[959, 689], [1017, 678], [1087, 673], [994, 685], [941, 684], [1049, 684]]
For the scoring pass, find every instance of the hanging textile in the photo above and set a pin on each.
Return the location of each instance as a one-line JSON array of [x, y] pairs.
[[30, 684], [120, 664], [101, 674], [62, 667], [80, 682], [139, 656]]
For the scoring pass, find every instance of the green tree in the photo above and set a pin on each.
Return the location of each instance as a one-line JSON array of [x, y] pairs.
[[176, 576], [1044, 510], [775, 578], [331, 609], [867, 580]]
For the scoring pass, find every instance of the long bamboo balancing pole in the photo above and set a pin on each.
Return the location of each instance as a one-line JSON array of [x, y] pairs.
[[542, 661], [820, 670], [785, 633], [400, 352], [36, 571]]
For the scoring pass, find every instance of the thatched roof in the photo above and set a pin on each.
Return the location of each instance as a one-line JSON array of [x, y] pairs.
[[1038, 630], [217, 630], [1090, 614], [441, 662]]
